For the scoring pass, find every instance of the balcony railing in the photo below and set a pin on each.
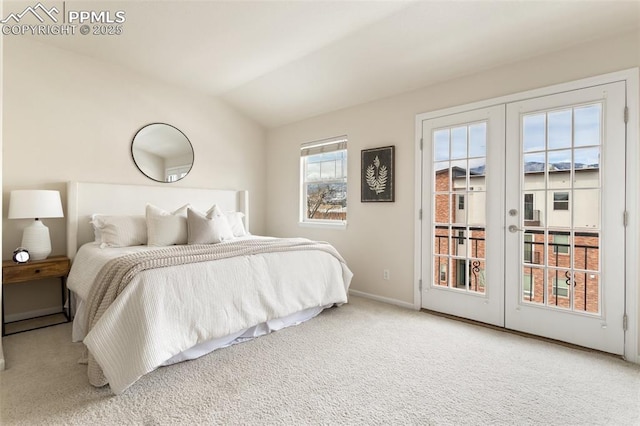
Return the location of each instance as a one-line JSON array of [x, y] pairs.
[[533, 256], [458, 242]]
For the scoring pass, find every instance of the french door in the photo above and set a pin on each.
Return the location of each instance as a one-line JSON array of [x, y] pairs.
[[463, 158], [525, 227]]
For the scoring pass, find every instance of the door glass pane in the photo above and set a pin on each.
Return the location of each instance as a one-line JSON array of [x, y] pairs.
[[588, 125], [533, 285], [533, 132], [460, 207], [586, 164], [459, 217], [559, 168], [478, 140], [476, 214], [586, 291], [441, 145], [459, 142], [534, 207], [535, 168], [441, 170], [441, 271], [476, 276], [476, 253], [586, 251], [586, 206], [442, 208], [559, 288], [562, 208], [459, 173], [441, 240], [560, 129]]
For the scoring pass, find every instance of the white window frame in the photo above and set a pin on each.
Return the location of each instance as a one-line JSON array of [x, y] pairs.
[[314, 148], [559, 205]]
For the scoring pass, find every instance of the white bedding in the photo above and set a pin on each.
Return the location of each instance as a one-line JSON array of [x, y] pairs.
[[180, 312]]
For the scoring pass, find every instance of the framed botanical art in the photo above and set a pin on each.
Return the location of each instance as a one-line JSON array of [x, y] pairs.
[[376, 181]]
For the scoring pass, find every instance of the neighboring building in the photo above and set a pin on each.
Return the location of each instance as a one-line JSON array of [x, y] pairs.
[[547, 214]]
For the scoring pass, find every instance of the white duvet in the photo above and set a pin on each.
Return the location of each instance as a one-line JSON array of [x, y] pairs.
[[164, 312]]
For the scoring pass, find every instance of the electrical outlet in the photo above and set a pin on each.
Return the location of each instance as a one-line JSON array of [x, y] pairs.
[[385, 274]]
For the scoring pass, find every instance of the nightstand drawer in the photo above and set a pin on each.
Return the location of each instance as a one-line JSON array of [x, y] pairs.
[[48, 268]]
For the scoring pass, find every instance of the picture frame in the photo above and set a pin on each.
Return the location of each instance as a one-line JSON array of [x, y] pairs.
[[377, 174]]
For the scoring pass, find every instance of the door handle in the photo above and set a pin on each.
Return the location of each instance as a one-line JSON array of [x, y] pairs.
[[514, 228]]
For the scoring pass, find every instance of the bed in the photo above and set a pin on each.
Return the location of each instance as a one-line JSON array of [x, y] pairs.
[[142, 306]]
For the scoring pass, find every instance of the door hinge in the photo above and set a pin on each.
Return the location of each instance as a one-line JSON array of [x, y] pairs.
[[420, 284], [625, 322], [421, 142], [625, 218], [626, 114], [420, 214]]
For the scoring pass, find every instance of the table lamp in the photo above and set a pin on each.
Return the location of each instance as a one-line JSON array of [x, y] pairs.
[[35, 204]]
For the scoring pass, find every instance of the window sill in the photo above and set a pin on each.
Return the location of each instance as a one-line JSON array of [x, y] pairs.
[[326, 225]]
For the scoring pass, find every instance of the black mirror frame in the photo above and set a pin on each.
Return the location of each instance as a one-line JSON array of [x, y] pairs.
[[193, 155]]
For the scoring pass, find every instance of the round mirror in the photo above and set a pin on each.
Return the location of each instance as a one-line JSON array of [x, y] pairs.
[[162, 152]]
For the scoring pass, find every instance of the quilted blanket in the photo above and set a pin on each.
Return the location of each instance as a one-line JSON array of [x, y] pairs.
[[136, 323]]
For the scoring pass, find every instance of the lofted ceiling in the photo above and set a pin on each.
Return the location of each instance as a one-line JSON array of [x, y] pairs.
[[282, 61]]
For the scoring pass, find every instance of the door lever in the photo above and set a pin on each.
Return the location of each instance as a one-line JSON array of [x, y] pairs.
[[514, 228]]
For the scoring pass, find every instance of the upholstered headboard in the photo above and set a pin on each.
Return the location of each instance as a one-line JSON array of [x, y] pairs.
[[85, 199]]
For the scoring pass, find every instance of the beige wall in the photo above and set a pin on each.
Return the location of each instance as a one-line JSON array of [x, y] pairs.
[[69, 117], [381, 235]]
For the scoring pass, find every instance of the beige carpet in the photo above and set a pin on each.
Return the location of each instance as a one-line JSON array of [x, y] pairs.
[[362, 363]]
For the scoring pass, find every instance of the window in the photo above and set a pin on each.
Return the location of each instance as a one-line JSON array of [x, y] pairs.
[[560, 287], [460, 202], [460, 237], [561, 201], [443, 272], [528, 207], [561, 244], [174, 174], [461, 273], [527, 287], [324, 181], [528, 248]]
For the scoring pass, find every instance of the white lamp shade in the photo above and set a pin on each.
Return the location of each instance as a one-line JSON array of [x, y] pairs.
[[34, 203]]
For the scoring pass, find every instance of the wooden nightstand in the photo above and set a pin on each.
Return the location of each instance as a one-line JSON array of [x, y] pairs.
[[52, 267]]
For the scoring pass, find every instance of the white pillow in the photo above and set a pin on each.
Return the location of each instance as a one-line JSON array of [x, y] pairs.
[[236, 223], [164, 228], [234, 219], [119, 231], [207, 229]]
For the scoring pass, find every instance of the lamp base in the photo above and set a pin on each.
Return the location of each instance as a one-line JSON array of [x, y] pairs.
[[36, 240]]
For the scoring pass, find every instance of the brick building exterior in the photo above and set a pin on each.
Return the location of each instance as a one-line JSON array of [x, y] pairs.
[[459, 251]]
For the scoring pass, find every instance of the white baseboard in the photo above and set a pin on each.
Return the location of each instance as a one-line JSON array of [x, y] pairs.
[[383, 299], [32, 314]]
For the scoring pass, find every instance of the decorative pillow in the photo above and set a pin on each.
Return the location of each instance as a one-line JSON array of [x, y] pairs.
[[207, 229], [236, 223], [214, 211], [164, 228], [234, 219], [119, 231]]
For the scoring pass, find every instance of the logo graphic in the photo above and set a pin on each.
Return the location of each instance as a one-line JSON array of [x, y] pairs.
[[33, 11], [43, 21]]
